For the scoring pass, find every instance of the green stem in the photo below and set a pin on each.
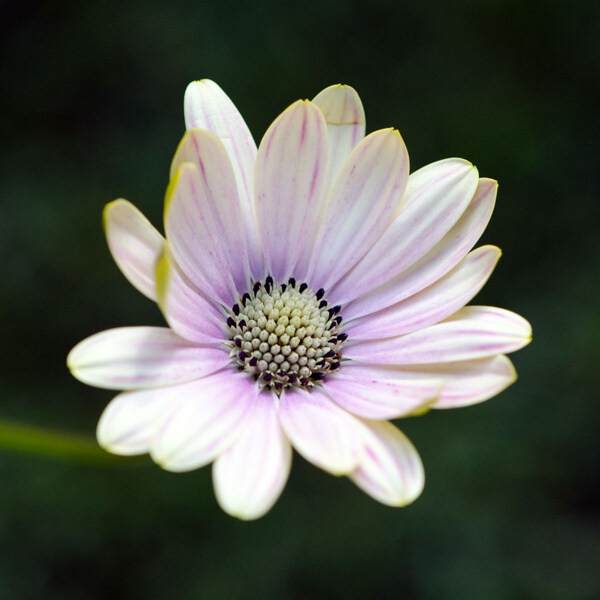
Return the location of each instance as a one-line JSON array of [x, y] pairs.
[[61, 444]]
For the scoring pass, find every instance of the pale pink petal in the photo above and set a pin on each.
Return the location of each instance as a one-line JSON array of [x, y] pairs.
[[432, 304], [291, 169], [365, 195], [211, 418], [391, 470], [438, 261], [320, 431], [436, 196], [141, 357], [206, 106], [251, 474], [199, 235], [465, 383], [345, 117], [472, 332], [134, 244], [207, 153], [365, 391], [189, 313], [131, 420]]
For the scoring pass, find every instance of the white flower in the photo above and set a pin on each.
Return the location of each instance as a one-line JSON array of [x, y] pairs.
[[313, 290]]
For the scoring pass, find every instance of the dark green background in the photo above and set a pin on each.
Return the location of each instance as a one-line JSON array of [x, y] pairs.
[[92, 110]]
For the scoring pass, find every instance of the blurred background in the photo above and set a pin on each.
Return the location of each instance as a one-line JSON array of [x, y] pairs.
[[92, 110]]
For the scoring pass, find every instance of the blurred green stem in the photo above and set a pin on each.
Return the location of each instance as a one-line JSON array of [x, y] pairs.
[[50, 442]]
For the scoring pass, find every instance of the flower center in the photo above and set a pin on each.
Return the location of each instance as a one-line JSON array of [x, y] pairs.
[[285, 335]]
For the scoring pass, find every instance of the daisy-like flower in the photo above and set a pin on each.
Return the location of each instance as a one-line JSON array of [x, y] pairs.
[[313, 290]]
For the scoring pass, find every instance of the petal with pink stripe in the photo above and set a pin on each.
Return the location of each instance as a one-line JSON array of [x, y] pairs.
[[206, 106], [251, 474], [291, 170], [365, 195], [464, 383], [434, 303], [131, 420], [391, 470], [198, 207], [438, 261], [320, 431], [471, 333], [365, 391], [128, 358], [134, 244], [186, 309], [214, 414], [345, 117], [436, 196], [207, 152]]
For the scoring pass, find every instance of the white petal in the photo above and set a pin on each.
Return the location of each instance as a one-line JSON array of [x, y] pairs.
[[465, 383], [187, 310], [212, 417], [436, 196], [364, 197], [141, 357], [201, 237], [251, 474], [207, 153], [291, 168], [345, 117], [391, 470], [320, 431], [365, 391], [206, 106], [432, 304], [134, 244], [131, 420], [472, 332], [438, 261]]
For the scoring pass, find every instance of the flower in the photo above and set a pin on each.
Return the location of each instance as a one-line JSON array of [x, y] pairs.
[[313, 290]]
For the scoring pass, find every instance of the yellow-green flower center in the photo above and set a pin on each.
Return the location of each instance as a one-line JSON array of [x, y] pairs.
[[285, 335]]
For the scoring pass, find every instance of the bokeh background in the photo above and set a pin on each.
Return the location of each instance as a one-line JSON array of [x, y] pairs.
[[92, 110]]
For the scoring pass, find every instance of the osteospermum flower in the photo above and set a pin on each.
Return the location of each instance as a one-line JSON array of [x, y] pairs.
[[313, 290]]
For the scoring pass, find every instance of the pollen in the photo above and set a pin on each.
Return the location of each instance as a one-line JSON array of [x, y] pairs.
[[285, 335]]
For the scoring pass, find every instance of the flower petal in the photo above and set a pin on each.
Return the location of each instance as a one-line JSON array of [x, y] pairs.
[[186, 309], [366, 193], [134, 244], [200, 236], [131, 420], [464, 383], [345, 117], [365, 391], [436, 196], [251, 474], [291, 169], [206, 106], [208, 154], [141, 357], [432, 304], [471, 382], [320, 431], [438, 261], [472, 332], [211, 418], [391, 470]]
